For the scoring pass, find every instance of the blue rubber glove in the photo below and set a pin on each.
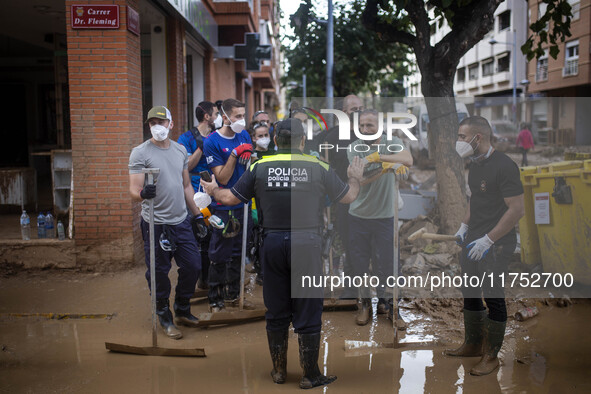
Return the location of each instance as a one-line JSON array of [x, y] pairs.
[[462, 233], [479, 248]]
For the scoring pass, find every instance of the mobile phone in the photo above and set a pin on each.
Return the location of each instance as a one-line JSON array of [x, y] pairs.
[[205, 176]]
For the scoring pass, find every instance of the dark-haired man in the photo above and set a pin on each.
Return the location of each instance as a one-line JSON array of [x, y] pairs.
[[290, 189], [227, 152], [488, 239], [193, 140]]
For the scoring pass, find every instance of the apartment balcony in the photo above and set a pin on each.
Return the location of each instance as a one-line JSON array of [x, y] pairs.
[[502, 77]]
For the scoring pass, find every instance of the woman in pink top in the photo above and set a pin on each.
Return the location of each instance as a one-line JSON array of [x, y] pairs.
[[525, 142]]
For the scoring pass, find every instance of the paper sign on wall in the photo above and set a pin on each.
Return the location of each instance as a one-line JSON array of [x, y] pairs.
[[542, 208]]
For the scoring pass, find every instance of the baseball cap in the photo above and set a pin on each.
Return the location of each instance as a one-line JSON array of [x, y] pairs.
[[159, 112]]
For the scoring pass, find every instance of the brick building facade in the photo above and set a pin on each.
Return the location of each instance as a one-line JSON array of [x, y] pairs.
[[110, 80]]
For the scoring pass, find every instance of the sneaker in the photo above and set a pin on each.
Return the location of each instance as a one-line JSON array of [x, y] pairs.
[[235, 303], [214, 308]]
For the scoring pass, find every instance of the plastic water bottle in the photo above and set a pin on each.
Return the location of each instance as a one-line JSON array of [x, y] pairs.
[[49, 226], [61, 234], [41, 226], [25, 226]]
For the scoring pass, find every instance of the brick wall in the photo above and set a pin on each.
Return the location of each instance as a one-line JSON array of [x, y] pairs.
[[177, 96], [106, 121]]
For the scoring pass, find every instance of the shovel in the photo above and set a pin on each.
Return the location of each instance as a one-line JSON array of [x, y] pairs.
[[395, 344], [153, 350]]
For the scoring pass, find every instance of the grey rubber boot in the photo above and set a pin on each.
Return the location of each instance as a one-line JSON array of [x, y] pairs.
[[309, 349], [473, 335], [278, 350], [182, 313], [495, 334], [364, 313], [165, 317]]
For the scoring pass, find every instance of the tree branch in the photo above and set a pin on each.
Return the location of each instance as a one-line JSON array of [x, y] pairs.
[[471, 24], [385, 30]]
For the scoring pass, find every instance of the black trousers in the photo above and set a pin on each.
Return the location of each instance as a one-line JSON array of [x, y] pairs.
[[495, 262], [286, 258]]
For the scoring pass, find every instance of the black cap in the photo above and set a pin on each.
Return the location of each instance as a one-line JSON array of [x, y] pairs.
[[291, 124]]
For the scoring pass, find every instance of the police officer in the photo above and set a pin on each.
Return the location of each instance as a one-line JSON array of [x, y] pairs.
[[290, 189]]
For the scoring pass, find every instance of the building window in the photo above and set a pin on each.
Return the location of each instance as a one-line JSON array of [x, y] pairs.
[[503, 63], [542, 68], [488, 67], [542, 7], [461, 75], [504, 20], [571, 59], [473, 72], [575, 9]]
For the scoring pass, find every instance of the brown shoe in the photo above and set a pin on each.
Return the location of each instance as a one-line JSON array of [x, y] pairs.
[[364, 314]]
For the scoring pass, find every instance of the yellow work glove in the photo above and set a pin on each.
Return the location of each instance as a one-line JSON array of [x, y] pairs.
[[373, 158], [400, 170]]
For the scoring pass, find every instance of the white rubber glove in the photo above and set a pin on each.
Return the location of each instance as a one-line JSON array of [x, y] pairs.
[[462, 233], [479, 248]]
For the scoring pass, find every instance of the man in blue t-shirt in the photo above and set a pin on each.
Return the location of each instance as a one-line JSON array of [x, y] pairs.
[[227, 152], [205, 112]]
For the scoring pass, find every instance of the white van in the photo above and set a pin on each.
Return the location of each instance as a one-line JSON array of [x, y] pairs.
[[420, 148]]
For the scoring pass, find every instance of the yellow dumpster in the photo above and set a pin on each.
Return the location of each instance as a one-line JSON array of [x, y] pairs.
[[561, 201], [528, 231]]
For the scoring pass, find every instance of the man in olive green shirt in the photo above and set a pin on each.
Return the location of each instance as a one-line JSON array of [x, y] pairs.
[[371, 230]]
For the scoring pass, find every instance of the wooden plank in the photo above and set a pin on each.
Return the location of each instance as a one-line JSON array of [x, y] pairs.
[[154, 351], [218, 318]]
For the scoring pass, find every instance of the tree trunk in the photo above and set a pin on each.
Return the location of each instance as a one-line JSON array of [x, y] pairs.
[[449, 169]]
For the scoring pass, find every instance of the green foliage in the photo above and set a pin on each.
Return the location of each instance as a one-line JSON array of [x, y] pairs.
[[550, 28], [360, 58]]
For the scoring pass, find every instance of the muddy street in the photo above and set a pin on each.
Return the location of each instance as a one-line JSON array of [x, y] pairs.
[[548, 353]]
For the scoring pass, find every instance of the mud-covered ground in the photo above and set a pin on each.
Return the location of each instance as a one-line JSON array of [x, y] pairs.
[[548, 353]]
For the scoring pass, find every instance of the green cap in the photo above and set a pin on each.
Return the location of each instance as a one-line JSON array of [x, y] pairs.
[[159, 112]]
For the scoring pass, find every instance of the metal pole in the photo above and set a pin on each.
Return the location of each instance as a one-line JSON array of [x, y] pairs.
[[304, 87], [329, 56], [151, 172], [514, 76], [243, 253]]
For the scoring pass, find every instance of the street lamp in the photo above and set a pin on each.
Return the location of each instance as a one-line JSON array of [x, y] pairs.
[[298, 22], [514, 45]]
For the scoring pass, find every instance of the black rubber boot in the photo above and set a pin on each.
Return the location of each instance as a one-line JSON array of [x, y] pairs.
[[495, 334], [278, 350], [365, 312], [182, 313], [309, 349], [165, 317], [473, 335]]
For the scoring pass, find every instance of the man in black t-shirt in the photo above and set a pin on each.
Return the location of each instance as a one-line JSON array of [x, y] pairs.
[[290, 190], [488, 240]]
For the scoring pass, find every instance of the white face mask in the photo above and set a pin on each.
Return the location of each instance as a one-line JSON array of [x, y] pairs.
[[202, 200], [237, 126], [464, 148], [218, 122], [264, 142], [159, 132]]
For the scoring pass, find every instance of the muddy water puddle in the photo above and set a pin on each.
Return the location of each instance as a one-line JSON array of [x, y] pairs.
[[549, 353]]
